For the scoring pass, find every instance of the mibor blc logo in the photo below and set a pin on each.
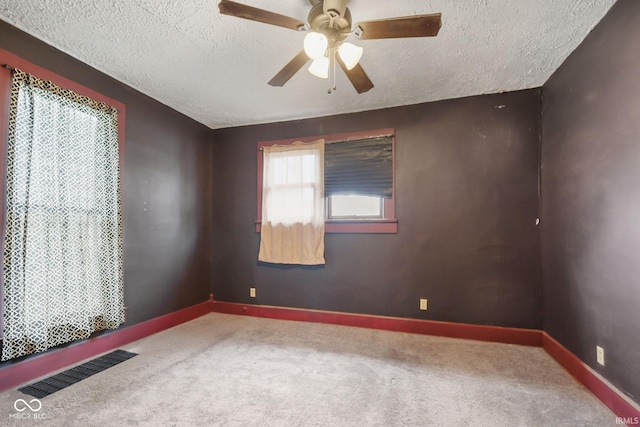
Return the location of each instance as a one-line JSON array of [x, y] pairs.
[[26, 410]]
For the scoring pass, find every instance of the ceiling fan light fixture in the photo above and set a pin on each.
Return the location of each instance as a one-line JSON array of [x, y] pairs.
[[320, 67], [315, 45], [350, 54]]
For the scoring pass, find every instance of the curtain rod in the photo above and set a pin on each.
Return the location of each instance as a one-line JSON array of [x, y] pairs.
[[350, 140]]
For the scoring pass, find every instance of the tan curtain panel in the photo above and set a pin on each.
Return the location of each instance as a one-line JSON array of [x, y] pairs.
[[62, 263], [292, 230]]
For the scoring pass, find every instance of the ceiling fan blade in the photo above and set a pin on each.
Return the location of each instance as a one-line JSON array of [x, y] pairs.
[[290, 69], [251, 13], [334, 7], [404, 26], [356, 76]]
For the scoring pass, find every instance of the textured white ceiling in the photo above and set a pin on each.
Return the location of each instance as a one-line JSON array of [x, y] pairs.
[[215, 68]]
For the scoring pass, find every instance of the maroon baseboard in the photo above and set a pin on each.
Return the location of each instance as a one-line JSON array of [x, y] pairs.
[[39, 365], [56, 359], [583, 374], [609, 396], [417, 326]]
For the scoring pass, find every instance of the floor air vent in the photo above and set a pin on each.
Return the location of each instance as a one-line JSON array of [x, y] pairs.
[[65, 379]]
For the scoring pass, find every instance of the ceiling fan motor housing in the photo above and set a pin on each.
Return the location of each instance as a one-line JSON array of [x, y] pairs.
[[331, 24]]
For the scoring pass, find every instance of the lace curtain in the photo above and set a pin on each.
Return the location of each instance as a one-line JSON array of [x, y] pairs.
[[292, 230], [62, 263]]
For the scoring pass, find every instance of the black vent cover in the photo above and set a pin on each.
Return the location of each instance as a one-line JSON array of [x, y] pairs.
[[65, 379]]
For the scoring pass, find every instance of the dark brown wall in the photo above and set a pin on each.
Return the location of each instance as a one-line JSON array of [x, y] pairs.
[[466, 190], [166, 189], [591, 198]]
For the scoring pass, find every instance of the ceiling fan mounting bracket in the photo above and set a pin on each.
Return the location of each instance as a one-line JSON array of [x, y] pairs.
[[331, 24]]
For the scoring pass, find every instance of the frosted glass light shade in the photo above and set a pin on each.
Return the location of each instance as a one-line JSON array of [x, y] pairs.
[[350, 54], [320, 67], [315, 45]]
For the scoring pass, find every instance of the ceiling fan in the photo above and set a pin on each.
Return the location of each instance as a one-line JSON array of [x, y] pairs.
[[328, 25]]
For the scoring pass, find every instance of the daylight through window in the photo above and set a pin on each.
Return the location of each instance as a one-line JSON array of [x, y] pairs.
[[358, 181]]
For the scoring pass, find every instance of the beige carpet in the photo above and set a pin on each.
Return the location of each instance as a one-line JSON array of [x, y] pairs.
[[238, 371]]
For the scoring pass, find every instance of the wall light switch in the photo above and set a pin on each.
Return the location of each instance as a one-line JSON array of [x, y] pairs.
[[252, 292], [600, 355], [423, 303]]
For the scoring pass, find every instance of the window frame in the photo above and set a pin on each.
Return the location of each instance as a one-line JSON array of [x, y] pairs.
[[386, 225], [10, 60]]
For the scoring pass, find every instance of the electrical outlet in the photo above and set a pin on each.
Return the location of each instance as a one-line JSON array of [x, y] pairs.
[[600, 355], [423, 303], [252, 292]]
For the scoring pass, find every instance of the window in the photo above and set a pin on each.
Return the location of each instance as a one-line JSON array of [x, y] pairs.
[[62, 226], [354, 207], [359, 181]]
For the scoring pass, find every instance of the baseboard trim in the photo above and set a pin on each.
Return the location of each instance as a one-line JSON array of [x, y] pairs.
[[622, 406], [501, 334], [606, 392], [42, 364], [37, 366]]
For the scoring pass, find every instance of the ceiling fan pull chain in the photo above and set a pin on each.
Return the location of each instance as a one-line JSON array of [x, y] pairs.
[[334, 68], [330, 54], [332, 58]]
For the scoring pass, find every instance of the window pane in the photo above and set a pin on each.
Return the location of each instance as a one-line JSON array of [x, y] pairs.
[[63, 234], [355, 207]]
